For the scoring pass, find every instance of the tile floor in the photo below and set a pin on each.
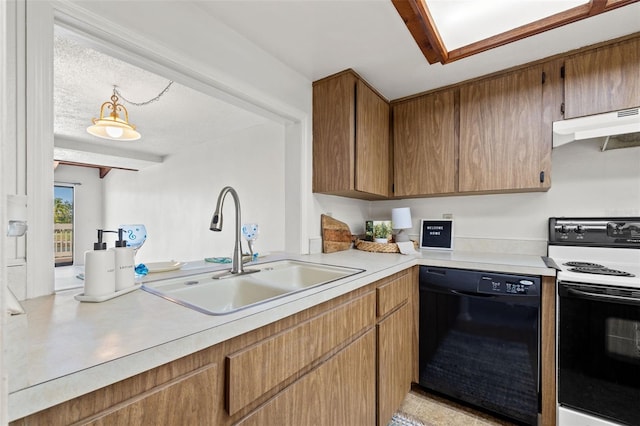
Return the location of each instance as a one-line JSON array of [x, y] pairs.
[[432, 410]]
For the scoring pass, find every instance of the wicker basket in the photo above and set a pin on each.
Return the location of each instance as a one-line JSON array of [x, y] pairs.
[[379, 247]]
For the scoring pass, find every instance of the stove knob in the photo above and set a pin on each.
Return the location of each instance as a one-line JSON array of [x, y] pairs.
[[564, 229], [579, 229]]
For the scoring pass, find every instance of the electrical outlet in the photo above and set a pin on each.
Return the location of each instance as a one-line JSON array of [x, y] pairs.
[[447, 215], [315, 245]]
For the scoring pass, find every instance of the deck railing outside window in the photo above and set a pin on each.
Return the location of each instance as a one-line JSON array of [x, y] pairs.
[[63, 243]]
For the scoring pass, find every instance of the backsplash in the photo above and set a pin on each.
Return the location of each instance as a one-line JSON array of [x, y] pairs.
[[586, 182]]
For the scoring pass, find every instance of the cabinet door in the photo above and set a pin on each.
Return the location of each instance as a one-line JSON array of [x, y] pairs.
[[339, 392], [424, 144], [334, 134], [190, 399], [395, 361], [372, 142], [501, 143], [350, 138], [603, 80], [293, 351]]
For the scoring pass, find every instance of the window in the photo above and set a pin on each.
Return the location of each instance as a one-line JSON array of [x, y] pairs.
[[63, 225]]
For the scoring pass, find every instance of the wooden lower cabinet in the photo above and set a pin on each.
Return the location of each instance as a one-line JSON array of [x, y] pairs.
[[397, 341], [339, 392], [188, 400], [395, 361], [316, 367]]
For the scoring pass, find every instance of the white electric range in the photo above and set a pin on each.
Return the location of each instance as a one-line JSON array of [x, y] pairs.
[[598, 330]]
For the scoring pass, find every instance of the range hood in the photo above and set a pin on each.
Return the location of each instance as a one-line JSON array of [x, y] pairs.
[[620, 129]]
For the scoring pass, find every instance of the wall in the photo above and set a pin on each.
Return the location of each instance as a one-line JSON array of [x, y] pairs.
[[176, 199], [586, 182]]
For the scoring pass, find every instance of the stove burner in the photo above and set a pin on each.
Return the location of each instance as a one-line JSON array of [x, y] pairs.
[[584, 265], [600, 270]]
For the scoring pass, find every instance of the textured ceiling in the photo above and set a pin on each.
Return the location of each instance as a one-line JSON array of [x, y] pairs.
[[182, 117]]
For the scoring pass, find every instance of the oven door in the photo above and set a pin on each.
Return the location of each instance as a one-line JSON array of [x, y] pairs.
[[599, 351]]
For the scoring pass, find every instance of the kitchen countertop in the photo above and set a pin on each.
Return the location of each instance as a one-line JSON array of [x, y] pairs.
[[74, 348]]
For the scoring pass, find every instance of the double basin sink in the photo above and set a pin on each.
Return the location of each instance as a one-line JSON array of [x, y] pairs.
[[206, 294]]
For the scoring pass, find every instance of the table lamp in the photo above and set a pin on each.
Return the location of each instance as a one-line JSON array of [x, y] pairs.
[[401, 220]]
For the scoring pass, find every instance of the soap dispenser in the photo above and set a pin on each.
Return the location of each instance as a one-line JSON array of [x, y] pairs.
[[124, 263], [99, 270]]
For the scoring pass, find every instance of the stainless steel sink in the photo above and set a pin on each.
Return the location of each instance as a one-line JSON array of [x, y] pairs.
[[275, 279]]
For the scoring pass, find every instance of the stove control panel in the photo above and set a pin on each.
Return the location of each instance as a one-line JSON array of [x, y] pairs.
[[601, 232]]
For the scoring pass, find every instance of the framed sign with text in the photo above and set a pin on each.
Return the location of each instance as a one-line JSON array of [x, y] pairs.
[[436, 234]]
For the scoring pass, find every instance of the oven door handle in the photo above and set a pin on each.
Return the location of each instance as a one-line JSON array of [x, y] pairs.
[[603, 297]]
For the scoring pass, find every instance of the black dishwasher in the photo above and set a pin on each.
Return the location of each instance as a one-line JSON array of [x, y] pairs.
[[479, 339]]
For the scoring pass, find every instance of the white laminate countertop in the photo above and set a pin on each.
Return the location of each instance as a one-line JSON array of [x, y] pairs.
[[72, 348]]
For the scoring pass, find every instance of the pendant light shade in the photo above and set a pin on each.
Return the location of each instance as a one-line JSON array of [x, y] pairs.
[[110, 125]]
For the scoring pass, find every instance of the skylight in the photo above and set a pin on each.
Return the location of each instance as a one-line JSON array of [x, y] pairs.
[[463, 22], [448, 30]]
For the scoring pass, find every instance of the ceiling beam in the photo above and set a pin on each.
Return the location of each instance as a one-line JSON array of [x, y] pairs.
[[102, 170], [416, 16]]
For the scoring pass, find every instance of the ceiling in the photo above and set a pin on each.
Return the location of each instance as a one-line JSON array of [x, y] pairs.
[[314, 37], [180, 118], [321, 37]]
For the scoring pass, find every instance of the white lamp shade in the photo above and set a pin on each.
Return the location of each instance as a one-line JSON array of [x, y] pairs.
[[401, 218]]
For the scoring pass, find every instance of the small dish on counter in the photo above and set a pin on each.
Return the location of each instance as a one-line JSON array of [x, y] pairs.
[[163, 266]]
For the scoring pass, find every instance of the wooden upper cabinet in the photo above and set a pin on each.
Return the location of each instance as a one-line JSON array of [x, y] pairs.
[[424, 144], [350, 138], [502, 145], [603, 80]]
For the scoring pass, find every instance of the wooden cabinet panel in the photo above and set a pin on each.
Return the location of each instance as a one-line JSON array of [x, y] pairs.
[[603, 80], [394, 293], [339, 392], [395, 361], [372, 142], [189, 400], [257, 369], [501, 143], [350, 138], [548, 351], [334, 134], [425, 144]]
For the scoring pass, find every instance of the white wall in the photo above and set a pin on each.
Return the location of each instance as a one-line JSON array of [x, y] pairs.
[[585, 182], [176, 199]]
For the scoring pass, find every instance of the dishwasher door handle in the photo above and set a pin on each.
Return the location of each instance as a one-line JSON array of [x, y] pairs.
[[472, 294]]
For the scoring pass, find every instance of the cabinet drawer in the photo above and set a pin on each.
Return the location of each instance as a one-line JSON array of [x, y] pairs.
[[341, 391], [259, 368], [393, 294], [194, 393]]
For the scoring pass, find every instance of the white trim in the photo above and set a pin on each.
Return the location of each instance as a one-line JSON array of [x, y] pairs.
[[39, 143], [8, 113]]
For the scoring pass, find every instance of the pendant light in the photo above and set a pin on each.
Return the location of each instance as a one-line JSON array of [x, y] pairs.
[[112, 126]]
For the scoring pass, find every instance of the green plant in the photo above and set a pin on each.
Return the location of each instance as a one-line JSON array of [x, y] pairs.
[[381, 229]]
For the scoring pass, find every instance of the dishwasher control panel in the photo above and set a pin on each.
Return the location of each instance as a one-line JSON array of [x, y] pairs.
[[506, 285], [480, 283]]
